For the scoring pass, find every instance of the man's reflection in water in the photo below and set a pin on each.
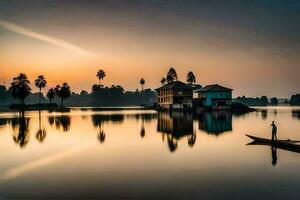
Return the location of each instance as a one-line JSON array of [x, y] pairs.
[[274, 155], [41, 133]]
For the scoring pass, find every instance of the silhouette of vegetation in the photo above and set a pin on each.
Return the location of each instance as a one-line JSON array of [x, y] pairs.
[[163, 81], [250, 101], [63, 92], [101, 74], [171, 75], [40, 83], [274, 101], [142, 82], [51, 94], [20, 88], [191, 79], [295, 100]]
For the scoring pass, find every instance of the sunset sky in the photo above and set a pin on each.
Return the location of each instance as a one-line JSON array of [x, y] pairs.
[[250, 46]]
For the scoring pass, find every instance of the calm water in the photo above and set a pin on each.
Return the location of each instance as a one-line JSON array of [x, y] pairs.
[[138, 154]]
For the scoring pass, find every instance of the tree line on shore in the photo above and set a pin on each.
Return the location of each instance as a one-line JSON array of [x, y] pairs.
[[101, 95]]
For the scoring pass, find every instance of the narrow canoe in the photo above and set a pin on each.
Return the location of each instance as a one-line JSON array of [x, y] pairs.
[[270, 141], [281, 144]]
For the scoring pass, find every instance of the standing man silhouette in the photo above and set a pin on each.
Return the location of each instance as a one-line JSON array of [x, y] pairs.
[[274, 131]]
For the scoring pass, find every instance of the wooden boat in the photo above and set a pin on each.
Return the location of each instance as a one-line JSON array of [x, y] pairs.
[[289, 145]]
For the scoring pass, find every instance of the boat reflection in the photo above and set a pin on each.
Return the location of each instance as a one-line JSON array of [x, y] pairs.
[[175, 126], [215, 122]]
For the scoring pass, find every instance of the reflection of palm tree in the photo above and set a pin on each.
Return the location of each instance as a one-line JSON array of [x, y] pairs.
[[172, 143], [51, 120], [142, 132], [101, 136], [63, 122], [41, 133], [22, 137], [192, 139]]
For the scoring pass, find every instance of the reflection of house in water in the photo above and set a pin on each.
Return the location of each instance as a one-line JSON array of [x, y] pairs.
[[176, 125], [215, 122]]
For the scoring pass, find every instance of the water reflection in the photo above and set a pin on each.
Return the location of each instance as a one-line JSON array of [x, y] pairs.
[[215, 122], [62, 122], [274, 155], [143, 132], [296, 114], [41, 133], [264, 114], [20, 128], [175, 126]]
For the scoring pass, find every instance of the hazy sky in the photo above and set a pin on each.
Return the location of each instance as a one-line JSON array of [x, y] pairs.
[[250, 46]]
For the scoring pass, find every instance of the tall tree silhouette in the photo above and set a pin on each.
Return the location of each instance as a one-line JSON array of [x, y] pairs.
[[171, 75], [20, 88], [40, 82], [190, 78], [41, 133], [101, 74], [51, 94], [63, 92], [142, 82], [163, 80]]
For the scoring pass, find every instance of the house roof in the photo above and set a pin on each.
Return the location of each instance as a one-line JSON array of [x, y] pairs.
[[176, 85], [213, 88]]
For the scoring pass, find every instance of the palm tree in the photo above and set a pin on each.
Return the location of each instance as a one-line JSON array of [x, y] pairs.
[[20, 88], [41, 133], [51, 94], [172, 75], [163, 81], [63, 92], [142, 82], [191, 78], [40, 83], [101, 75]]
